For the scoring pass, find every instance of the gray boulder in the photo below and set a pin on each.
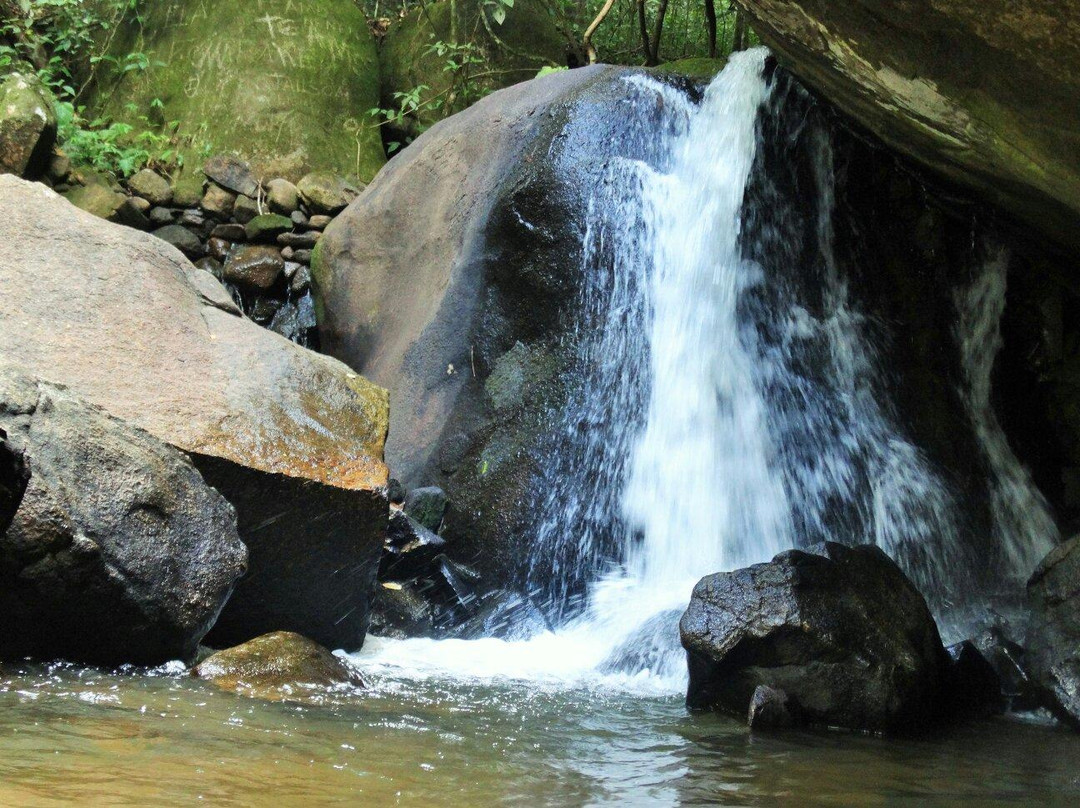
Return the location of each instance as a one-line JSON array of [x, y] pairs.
[[119, 551], [840, 630], [14, 475], [1053, 652]]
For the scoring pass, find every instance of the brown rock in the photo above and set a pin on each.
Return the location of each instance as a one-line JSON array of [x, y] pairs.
[[151, 186], [254, 266], [218, 202], [283, 433], [233, 174], [277, 667]]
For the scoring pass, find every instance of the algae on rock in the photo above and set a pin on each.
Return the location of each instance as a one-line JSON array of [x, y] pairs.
[[284, 85]]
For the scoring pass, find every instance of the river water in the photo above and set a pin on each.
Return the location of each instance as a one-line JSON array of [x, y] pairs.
[[70, 736]]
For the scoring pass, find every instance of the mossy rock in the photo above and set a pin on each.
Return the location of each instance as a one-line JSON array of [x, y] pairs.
[[277, 667], [526, 41], [283, 85], [27, 124]]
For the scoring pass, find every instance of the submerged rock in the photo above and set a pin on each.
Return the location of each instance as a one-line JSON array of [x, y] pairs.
[[277, 667], [839, 629], [119, 551], [769, 709], [27, 124], [982, 91], [1054, 638], [291, 438]]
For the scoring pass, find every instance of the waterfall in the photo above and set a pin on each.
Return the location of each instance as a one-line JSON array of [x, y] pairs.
[[736, 399]]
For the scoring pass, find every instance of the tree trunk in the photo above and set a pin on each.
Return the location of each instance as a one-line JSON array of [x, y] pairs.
[[586, 40], [710, 26], [658, 31], [646, 45], [740, 40]]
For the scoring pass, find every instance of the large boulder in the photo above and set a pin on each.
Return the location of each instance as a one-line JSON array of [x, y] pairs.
[[982, 91], [511, 51], [465, 320], [14, 475], [839, 630], [1053, 653], [119, 551], [278, 666], [27, 124], [293, 439], [284, 85]]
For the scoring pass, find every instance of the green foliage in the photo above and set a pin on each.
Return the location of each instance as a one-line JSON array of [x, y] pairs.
[[66, 43]]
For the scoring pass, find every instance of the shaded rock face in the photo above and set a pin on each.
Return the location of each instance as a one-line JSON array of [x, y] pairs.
[[841, 631], [119, 551], [1053, 653], [280, 84], [27, 125], [277, 667], [14, 475], [292, 438], [465, 320], [982, 91]]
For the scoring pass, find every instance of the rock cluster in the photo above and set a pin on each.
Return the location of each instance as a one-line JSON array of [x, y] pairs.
[[422, 592], [292, 439], [255, 235]]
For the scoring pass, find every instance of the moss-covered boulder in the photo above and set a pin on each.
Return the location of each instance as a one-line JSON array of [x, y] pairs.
[[982, 91], [27, 124], [414, 53], [284, 85], [277, 667]]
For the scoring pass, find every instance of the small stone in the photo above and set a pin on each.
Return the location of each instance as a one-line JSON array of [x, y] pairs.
[[254, 266], [229, 232], [299, 218], [267, 227], [181, 238], [211, 265], [290, 270], [187, 191], [768, 709], [320, 222], [151, 186], [192, 218], [218, 202], [395, 491], [133, 214], [265, 309], [218, 248], [324, 192], [59, 167], [427, 506], [233, 174], [245, 209], [161, 216], [301, 256], [301, 281], [282, 197], [287, 253], [97, 199], [300, 240]]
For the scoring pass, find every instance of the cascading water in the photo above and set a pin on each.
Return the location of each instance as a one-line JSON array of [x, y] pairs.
[[734, 402]]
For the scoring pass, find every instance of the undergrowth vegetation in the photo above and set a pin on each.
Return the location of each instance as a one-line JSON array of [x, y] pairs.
[[66, 43]]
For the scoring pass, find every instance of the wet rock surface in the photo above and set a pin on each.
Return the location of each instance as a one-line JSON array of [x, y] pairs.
[[118, 550], [1054, 638], [949, 83], [291, 438], [840, 630], [277, 667]]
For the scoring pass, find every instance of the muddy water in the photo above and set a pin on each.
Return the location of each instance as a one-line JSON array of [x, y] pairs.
[[71, 735]]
